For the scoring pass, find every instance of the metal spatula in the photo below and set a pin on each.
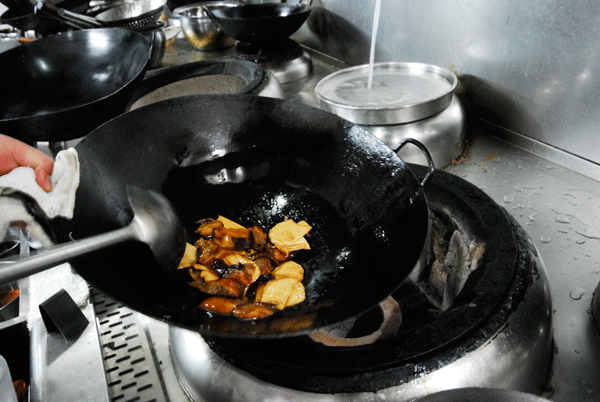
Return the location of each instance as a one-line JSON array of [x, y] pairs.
[[154, 223]]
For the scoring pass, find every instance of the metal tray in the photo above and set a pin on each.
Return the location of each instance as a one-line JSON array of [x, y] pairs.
[[401, 92]]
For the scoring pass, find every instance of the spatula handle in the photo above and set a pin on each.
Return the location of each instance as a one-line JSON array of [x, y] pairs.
[[15, 268]]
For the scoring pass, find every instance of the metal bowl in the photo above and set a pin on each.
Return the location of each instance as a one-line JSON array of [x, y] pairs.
[[132, 14], [202, 32]]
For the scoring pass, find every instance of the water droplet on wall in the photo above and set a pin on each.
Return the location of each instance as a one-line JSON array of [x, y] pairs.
[[577, 293], [586, 386]]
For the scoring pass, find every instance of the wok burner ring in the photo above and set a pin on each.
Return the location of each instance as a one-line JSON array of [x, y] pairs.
[[512, 334]]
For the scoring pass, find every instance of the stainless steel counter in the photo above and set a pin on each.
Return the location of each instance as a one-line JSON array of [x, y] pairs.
[[560, 210]]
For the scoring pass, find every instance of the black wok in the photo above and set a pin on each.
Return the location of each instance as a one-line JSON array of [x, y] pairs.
[[254, 160], [260, 23], [63, 86]]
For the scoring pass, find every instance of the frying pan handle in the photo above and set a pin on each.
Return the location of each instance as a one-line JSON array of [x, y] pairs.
[[425, 152]]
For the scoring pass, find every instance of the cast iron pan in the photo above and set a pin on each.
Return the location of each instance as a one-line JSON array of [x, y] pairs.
[[254, 160], [63, 86], [261, 23], [251, 73]]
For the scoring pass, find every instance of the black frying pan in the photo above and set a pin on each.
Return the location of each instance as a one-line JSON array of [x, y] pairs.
[[254, 160], [63, 86], [260, 23]]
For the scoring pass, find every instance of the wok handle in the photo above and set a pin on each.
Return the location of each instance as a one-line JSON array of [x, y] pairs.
[[425, 152], [15, 268]]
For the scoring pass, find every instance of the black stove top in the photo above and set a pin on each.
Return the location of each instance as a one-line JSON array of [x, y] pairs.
[[273, 52]]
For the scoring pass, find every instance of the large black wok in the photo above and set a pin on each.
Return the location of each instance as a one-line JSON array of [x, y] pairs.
[[261, 23], [254, 160], [63, 86]]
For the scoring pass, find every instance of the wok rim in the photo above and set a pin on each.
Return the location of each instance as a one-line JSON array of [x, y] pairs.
[[83, 32], [273, 327]]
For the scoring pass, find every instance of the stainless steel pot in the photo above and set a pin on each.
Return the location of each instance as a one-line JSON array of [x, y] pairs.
[[403, 100]]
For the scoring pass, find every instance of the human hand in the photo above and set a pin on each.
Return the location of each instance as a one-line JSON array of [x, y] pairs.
[[14, 153]]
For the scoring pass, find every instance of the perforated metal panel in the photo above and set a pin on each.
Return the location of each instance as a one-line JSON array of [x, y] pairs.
[[130, 362]]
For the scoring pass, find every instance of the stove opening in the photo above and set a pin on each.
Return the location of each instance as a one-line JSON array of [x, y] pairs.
[[450, 258]]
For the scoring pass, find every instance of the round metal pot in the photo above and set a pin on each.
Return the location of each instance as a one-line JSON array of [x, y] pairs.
[[444, 135], [404, 100]]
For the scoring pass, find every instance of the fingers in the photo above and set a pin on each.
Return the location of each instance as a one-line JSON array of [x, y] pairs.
[[43, 171], [14, 153]]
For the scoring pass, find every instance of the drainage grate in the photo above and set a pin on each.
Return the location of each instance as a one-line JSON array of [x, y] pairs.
[[129, 360]]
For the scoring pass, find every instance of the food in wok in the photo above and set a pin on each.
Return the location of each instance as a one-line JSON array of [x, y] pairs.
[[249, 274]]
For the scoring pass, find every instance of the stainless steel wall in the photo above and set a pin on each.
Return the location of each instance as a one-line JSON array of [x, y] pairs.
[[531, 66]]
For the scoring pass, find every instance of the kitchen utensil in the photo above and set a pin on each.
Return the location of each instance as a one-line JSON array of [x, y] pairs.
[[155, 34], [255, 160], [205, 78], [200, 30], [75, 20], [154, 223], [125, 15], [261, 23], [76, 81], [401, 92], [23, 18], [132, 14], [97, 6]]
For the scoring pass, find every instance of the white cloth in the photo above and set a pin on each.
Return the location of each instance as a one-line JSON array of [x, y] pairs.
[[60, 202], [65, 180]]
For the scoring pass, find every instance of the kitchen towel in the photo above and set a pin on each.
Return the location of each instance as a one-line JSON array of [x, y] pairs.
[[58, 202]]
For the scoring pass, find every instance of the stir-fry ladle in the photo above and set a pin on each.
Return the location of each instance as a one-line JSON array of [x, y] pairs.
[[154, 223]]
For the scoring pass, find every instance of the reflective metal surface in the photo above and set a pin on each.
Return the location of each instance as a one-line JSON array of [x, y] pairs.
[[481, 394], [444, 135], [202, 32], [515, 357], [292, 70], [529, 66], [399, 92]]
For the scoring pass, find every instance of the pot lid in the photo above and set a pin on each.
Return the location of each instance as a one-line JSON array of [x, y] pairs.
[[400, 92]]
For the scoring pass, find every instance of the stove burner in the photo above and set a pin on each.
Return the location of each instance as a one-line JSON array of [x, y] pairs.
[[380, 322], [430, 338], [277, 52]]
